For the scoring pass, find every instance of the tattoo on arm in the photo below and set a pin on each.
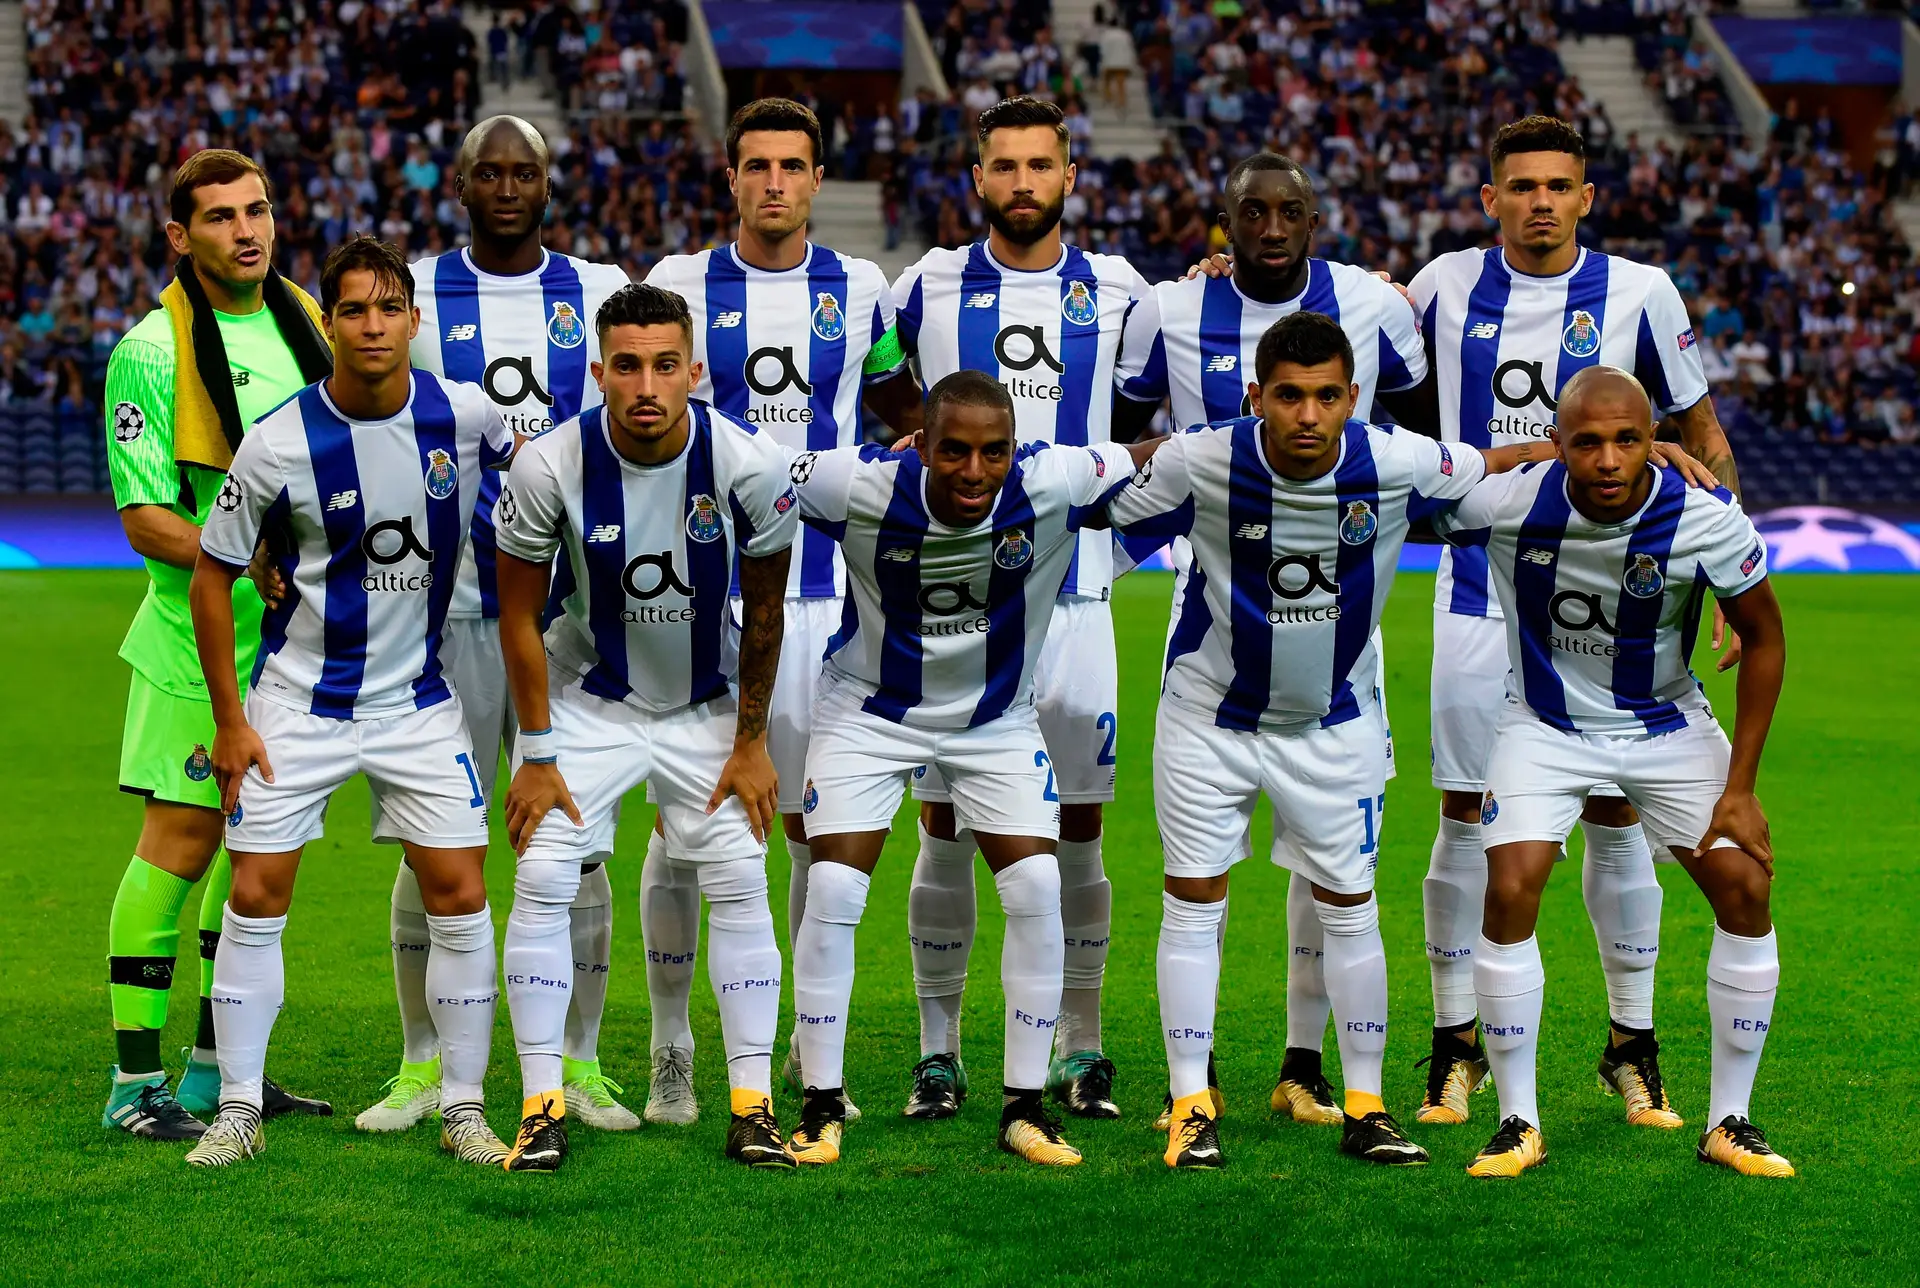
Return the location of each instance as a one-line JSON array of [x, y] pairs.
[[1706, 442], [763, 589]]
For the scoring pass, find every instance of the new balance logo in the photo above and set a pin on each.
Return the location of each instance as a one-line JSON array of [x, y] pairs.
[[604, 532], [1536, 555], [462, 331], [1223, 362], [343, 500], [728, 320], [1483, 330], [1251, 531], [898, 554], [981, 300]]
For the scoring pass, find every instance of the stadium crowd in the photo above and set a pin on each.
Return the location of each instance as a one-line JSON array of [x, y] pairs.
[[1806, 295]]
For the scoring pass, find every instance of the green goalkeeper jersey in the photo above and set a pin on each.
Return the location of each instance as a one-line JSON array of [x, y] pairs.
[[139, 414]]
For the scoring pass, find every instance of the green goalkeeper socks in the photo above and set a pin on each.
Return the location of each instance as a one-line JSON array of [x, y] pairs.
[[143, 936], [213, 911]]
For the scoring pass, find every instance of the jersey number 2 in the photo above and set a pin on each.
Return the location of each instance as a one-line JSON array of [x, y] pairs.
[[1112, 728], [1039, 760]]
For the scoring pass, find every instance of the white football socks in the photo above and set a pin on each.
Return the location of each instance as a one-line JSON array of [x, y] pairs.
[[407, 929], [1031, 960], [823, 970], [461, 984], [249, 986], [942, 919], [1510, 983], [1356, 974], [1086, 919], [1307, 1004], [801, 855], [537, 960], [1187, 965], [1454, 897], [590, 928], [1743, 976], [1623, 902], [670, 933], [743, 964]]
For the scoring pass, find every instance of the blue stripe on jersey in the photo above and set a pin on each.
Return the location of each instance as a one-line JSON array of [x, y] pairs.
[[273, 623], [1648, 369], [849, 627], [456, 294], [566, 364], [903, 528], [1394, 374], [434, 430], [1196, 619], [1079, 354], [1249, 509], [979, 321], [1534, 578], [1486, 304], [1690, 620], [727, 345], [344, 635], [907, 317], [603, 503], [826, 360], [1006, 605], [1587, 293], [1637, 620], [709, 568], [1223, 392], [1357, 482], [1320, 297], [560, 590]]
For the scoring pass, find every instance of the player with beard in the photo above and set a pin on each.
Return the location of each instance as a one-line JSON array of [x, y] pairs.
[[1045, 319]]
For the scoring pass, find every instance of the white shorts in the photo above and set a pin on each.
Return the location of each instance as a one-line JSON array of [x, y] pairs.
[[471, 658], [418, 764], [810, 624], [1328, 788], [1076, 687], [1540, 777], [999, 775], [606, 749]]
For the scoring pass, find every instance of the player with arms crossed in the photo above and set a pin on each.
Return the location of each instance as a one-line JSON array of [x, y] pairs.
[[1601, 563], [369, 478], [1194, 342], [792, 338], [1506, 328], [1046, 320], [511, 316], [230, 341], [955, 557]]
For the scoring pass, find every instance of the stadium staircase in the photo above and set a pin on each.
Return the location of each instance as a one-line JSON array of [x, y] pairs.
[[13, 56], [526, 97], [1611, 76], [1135, 135]]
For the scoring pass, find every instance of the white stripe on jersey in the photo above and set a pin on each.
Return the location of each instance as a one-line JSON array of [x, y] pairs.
[[943, 626], [1194, 341], [649, 551], [1601, 619], [529, 342], [1502, 344], [377, 515], [1290, 576], [1051, 336], [785, 351]]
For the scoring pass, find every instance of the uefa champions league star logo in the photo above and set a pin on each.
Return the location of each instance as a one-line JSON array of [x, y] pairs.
[[229, 498], [829, 323], [1014, 550], [442, 478], [1489, 809], [1643, 579], [565, 328], [703, 520], [1582, 336], [199, 766], [1359, 525], [129, 422], [1079, 306]]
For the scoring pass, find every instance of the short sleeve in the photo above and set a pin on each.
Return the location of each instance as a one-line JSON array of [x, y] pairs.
[[253, 484], [1440, 471], [496, 440], [1469, 521], [1734, 554], [1667, 358], [531, 511], [1141, 372], [1094, 474], [1403, 355], [909, 306], [824, 483], [139, 402], [1157, 505], [1424, 291], [765, 505], [607, 279]]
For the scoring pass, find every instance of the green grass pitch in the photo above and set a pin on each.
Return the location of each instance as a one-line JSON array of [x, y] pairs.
[[937, 1203]]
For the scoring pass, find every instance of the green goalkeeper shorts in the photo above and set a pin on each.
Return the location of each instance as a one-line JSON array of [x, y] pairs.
[[165, 750]]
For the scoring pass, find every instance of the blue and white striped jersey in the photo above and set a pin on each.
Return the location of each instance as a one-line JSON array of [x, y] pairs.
[[1502, 344], [649, 551], [377, 514], [529, 342], [943, 626], [787, 352], [1601, 618], [1193, 341], [1051, 336], [1289, 577]]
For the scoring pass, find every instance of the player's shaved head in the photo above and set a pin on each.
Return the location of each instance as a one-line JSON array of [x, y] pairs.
[[502, 178], [500, 129], [967, 446], [1604, 394], [1603, 431]]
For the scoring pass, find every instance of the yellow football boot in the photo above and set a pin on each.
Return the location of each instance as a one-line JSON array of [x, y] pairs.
[[1517, 1146], [1738, 1144], [1030, 1132]]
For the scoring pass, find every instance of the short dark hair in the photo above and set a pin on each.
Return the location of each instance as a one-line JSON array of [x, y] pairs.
[[363, 252], [639, 304], [1264, 163], [1536, 134], [204, 169], [1020, 113], [968, 389], [1304, 339], [773, 114]]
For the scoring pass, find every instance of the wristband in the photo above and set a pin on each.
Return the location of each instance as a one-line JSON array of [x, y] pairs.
[[536, 747]]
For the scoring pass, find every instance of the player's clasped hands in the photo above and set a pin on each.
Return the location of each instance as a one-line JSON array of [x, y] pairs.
[[537, 790]]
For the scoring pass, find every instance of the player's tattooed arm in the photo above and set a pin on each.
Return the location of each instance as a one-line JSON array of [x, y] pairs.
[[1511, 457], [749, 772], [1737, 815]]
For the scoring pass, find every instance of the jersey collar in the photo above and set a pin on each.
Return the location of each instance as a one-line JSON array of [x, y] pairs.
[[466, 259], [1579, 262], [413, 387]]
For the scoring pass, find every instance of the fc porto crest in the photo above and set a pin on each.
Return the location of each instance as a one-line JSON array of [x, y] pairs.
[[1359, 525], [565, 328], [703, 520], [1582, 336], [239, 812], [1489, 809], [199, 766], [442, 478], [1079, 305], [829, 323], [1015, 549], [810, 801], [1643, 579]]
